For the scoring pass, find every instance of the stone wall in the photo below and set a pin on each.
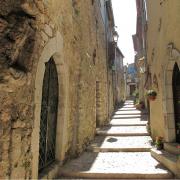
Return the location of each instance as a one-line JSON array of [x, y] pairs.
[[28, 34]]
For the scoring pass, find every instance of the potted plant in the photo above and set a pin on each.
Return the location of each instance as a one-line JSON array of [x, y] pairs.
[[151, 94], [159, 142], [140, 105]]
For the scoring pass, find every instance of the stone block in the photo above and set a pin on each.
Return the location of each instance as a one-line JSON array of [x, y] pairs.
[[170, 121], [3, 25], [169, 92], [30, 9], [5, 145], [171, 137], [178, 165], [16, 141], [16, 154], [48, 30], [44, 36], [168, 80], [18, 173], [169, 105], [172, 148]]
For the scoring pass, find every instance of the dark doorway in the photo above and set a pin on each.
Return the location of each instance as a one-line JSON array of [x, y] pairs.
[[48, 120], [132, 89], [176, 97]]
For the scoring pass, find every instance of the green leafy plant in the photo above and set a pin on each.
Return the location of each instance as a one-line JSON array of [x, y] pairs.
[[136, 94], [151, 93]]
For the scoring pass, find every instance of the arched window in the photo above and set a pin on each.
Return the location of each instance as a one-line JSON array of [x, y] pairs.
[[48, 121]]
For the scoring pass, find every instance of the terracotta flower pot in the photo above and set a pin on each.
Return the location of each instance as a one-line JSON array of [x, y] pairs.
[[151, 98]]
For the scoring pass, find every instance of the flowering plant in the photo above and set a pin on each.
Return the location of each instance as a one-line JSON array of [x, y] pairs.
[[159, 142]]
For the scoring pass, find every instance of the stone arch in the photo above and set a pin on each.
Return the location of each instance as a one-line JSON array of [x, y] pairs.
[[168, 106], [53, 48]]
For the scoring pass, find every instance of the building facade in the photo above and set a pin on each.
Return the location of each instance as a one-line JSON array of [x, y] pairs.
[[163, 58], [139, 41], [118, 78], [55, 82], [163, 61]]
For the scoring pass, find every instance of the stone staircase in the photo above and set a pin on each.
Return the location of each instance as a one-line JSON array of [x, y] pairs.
[[120, 150]]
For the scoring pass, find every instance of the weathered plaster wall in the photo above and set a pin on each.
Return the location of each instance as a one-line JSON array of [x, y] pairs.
[[26, 30], [163, 29]]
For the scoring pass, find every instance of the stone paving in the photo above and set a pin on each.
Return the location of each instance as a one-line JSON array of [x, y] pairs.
[[120, 150], [128, 122], [123, 130], [119, 143]]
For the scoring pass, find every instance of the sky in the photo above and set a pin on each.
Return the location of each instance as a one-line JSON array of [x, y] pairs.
[[125, 20]]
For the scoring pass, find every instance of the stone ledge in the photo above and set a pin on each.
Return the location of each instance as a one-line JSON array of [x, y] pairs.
[[169, 160], [98, 149], [172, 148], [50, 172]]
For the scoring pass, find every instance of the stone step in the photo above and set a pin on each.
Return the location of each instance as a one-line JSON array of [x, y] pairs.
[[129, 106], [173, 148], [128, 122], [121, 144], [129, 113], [126, 116], [120, 124], [127, 109], [122, 131], [167, 159], [115, 165]]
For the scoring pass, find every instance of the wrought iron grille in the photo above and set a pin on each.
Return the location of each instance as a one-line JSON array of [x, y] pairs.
[[48, 120]]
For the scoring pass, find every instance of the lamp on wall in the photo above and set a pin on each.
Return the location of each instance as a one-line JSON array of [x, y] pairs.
[[115, 36], [141, 64]]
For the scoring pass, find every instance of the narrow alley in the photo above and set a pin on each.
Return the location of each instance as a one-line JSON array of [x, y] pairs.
[[89, 89], [120, 150]]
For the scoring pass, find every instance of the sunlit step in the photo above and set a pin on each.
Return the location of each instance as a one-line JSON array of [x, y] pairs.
[[126, 116], [121, 144], [128, 122], [115, 165], [123, 131]]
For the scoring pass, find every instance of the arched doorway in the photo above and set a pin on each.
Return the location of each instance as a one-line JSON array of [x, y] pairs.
[[48, 121], [176, 98]]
